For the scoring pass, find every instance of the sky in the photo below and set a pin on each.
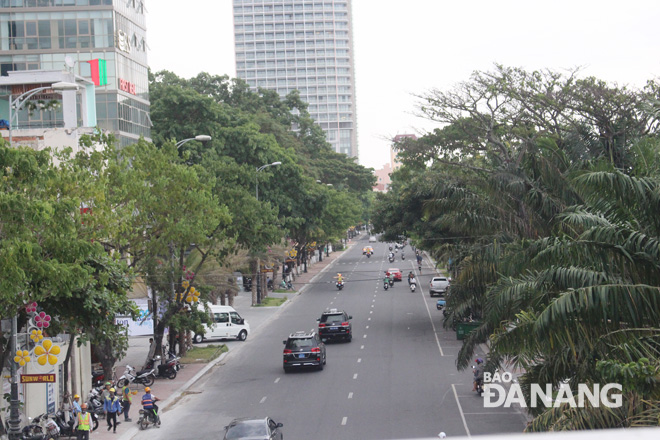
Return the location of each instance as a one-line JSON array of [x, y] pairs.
[[404, 48]]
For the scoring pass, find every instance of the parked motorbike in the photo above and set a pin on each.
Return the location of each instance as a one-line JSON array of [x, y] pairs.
[[98, 377], [95, 406], [167, 369], [147, 419], [144, 377], [64, 428], [340, 285]]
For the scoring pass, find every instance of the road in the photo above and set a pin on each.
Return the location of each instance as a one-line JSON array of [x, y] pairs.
[[396, 379]]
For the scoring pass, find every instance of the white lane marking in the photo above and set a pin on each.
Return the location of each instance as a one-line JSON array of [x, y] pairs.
[[367, 327], [371, 311], [460, 409], [350, 395], [355, 376], [344, 420], [428, 310], [359, 360], [361, 347], [369, 319], [372, 306], [364, 337], [277, 380], [263, 399]]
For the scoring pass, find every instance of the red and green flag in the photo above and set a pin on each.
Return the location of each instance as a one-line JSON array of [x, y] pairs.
[[99, 72]]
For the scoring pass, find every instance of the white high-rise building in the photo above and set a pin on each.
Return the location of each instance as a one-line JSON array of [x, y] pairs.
[[307, 45]]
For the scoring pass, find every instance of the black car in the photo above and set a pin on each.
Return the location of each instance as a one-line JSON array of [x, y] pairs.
[[253, 429], [335, 324], [303, 349]]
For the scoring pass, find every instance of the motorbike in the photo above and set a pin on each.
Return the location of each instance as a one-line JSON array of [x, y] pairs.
[[403, 256], [392, 282], [368, 254], [167, 369], [36, 429], [95, 406], [147, 418], [386, 285], [144, 377], [340, 285], [413, 286], [64, 428], [391, 258]]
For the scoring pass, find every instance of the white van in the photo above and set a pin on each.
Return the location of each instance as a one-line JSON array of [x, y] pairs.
[[227, 323]]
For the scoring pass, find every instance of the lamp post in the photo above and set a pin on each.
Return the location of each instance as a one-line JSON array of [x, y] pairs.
[[261, 168], [14, 421], [200, 138], [23, 98]]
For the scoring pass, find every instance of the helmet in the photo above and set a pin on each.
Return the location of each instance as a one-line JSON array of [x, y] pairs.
[[75, 396], [479, 360], [83, 406], [147, 389], [442, 435], [107, 384], [112, 390]]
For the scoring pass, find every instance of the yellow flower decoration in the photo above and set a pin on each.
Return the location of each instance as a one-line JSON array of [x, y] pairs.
[[47, 352], [22, 357], [37, 335], [193, 295], [185, 284]]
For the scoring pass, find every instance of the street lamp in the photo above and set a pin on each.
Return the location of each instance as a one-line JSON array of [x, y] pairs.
[[200, 138], [23, 98], [261, 168]]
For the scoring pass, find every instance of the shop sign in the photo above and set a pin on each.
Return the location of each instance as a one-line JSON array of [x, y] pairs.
[[127, 86], [37, 378]]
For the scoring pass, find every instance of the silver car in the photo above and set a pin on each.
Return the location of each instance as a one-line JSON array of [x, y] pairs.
[[253, 429]]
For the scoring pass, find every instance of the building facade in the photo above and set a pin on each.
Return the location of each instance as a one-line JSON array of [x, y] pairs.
[[304, 45], [68, 35]]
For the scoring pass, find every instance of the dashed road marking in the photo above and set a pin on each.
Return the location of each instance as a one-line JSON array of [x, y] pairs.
[[350, 395], [344, 420], [263, 399], [355, 376], [277, 380], [359, 360]]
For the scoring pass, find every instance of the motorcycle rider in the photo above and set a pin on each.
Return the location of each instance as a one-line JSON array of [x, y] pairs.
[[83, 423], [149, 405], [411, 276], [386, 280], [412, 281], [340, 279]]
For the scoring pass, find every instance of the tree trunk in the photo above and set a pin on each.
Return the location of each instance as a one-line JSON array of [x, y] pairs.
[[254, 265], [103, 352], [183, 343], [67, 358]]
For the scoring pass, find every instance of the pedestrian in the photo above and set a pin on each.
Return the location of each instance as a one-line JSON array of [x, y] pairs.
[[126, 401], [83, 423], [106, 391], [76, 405], [112, 407]]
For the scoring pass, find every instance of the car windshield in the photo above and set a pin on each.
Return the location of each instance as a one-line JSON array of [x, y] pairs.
[[300, 343], [247, 429], [332, 318]]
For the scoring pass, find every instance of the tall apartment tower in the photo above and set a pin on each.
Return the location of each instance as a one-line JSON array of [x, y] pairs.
[[307, 45], [71, 35]]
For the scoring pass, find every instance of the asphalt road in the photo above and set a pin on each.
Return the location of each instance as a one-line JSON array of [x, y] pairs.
[[396, 379]]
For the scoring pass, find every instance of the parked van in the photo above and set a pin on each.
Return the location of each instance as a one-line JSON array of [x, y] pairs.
[[227, 323]]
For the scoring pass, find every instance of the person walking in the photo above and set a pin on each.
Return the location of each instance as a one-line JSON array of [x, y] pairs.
[[83, 423], [76, 405], [127, 399], [112, 407]]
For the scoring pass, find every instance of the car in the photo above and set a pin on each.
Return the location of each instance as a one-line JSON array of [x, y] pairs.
[[372, 239], [439, 285], [253, 429], [335, 324], [303, 349], [395, 273]]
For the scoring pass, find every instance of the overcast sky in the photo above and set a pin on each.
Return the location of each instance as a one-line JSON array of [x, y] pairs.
[[405, 47]]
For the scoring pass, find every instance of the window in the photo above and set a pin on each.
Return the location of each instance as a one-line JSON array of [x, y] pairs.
[[221, 318]]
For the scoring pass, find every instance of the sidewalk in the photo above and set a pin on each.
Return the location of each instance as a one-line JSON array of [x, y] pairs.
[[168, 391]]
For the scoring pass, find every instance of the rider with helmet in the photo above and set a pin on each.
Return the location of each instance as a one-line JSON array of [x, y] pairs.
[[149, 405]]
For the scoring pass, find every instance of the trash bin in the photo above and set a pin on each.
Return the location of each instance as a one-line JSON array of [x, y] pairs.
[[463, 328]]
